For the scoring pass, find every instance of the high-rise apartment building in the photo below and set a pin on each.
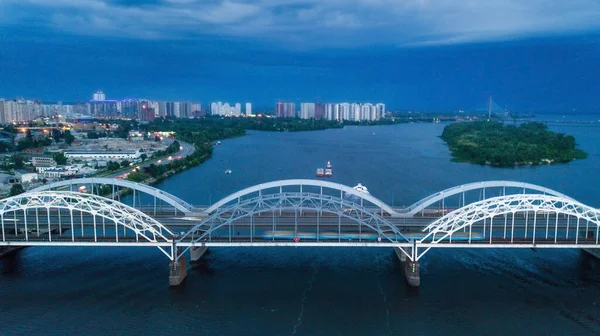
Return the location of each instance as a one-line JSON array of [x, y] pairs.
[[130, 108], [319, 111], [285, 110], [380, 110], [307, 110], [248, 109], [224, 109], [147, 112], [2, 116], [185, 110], [21, 110], [177, 109], [104, 108], [162, 109], [339, 111], [98, 96]]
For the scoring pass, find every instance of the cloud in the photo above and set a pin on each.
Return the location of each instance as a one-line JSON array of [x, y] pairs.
[[311, 23]]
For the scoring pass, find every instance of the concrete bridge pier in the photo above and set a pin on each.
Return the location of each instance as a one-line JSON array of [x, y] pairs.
[[412, 273], [196, 252], [177, 271], [411, 268]]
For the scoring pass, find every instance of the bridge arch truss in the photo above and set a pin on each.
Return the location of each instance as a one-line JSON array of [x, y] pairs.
[[520, 220], [333, 216], [56, 218], [114, 192], [485, 189], [300, 185]]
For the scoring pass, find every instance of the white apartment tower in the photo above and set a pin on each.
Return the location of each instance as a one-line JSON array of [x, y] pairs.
[[307, 110], [99, 96]]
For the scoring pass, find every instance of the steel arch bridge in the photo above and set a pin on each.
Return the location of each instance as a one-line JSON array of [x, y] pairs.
[[366, 222], [302, 213], [42, 218], [157, 194]]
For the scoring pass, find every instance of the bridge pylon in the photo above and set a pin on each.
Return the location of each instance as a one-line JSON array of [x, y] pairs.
[[410, 263], [178, 265], [196, 252], [412, 273], [177, 271]]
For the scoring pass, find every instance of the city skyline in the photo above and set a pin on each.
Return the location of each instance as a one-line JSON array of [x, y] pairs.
[[100, 96], [24, 110]]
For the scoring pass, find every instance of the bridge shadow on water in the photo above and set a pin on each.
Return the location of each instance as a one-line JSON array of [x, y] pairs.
[[11, 265], [398, 271], [589, 268], [202, 267]]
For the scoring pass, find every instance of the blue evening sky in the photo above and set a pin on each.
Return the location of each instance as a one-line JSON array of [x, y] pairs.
[[431, 55]]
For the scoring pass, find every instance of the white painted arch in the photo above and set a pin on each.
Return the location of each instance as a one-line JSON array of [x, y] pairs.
[[170, 199], [145, 227], [432, 199], [502, 205], [344, 189]]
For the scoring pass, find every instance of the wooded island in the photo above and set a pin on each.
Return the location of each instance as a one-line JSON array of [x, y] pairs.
[[496, 144]]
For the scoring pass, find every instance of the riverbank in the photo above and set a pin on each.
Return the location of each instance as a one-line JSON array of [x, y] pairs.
[[211, 126]]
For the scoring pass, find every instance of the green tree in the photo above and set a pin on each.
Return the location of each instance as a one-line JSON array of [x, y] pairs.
[[125, 163], [60, 158], [16, 189], [18, 162], [10, 128], [123, 131], [143, 157], [56, 135], [137, 176], [24, 144], [6, 147], [154, 170], [111, 165], [69, 138]]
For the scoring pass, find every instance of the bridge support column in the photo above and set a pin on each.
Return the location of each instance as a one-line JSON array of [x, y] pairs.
[[177, 271], [196, 252], [412, 274], [411, 268]]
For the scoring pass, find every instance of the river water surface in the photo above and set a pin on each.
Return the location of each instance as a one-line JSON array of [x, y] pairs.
[[325, 291]]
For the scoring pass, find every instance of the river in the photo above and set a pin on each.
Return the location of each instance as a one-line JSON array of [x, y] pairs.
[[325, 291]]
